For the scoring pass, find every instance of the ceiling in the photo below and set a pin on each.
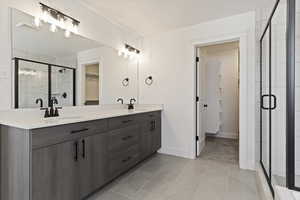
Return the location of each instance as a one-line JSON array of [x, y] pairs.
[[153, 16]]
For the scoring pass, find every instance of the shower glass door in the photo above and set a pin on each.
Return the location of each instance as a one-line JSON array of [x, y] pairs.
[[265, 102], [62, 85], [31, 84], [37, 80]]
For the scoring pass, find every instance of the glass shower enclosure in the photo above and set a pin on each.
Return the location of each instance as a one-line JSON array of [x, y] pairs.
[[38, 80]]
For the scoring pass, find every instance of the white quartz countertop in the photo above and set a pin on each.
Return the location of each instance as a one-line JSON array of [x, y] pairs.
[[33, 118]]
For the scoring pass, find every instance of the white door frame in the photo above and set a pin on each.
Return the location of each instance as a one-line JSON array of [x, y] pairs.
[[82, 80], [243, 91]]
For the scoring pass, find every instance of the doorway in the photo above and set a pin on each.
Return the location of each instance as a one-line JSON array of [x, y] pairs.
[[92, 84], [217, 88]]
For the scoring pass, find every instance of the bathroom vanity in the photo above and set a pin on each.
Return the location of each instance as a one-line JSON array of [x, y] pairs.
[[70, 159]]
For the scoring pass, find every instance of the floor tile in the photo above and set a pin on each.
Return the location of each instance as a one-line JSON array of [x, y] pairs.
[[215, 175]]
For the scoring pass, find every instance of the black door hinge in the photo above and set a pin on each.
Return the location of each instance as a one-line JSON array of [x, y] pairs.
[[197, 99], [197, 138], [197, 59]]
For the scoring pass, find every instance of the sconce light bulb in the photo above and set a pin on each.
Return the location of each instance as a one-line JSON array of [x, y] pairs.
[[62, 22], [120, 52], [125, 54], [53, 28], [75, 29], [67, 33], [37, 21], [45, 16]]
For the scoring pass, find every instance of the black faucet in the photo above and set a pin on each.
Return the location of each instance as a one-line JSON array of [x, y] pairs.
[[53, 101], [53, 111], [131, 105], [120, 100], [39, 100]]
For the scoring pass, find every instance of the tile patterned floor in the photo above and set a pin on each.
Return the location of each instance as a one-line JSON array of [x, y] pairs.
[[165, 177]]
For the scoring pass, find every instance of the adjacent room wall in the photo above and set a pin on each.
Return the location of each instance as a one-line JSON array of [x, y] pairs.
[[170, 59], [224, 92], [92, 83], [92, 26]]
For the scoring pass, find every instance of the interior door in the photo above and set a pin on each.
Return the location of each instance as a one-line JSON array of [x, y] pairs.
[[93, 163], [55, 172], [200, 101]]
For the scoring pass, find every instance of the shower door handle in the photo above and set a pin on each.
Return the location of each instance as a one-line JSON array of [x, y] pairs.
[[262, 102], [270, 96], [275, 102]]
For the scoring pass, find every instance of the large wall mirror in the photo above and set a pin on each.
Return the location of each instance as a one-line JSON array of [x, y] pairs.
[[75, 70]]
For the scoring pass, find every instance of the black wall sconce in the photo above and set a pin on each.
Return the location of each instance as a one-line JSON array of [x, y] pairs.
[[125, 82], [149, 80]]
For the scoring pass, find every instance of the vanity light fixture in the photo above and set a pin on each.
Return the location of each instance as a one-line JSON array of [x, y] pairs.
[[57, 19], [129, 51]]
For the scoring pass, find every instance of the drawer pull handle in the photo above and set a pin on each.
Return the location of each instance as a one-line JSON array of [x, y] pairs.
[[126, 159], [127, 137], [83, 149], [80, 130], [76, 151], [126, 121]]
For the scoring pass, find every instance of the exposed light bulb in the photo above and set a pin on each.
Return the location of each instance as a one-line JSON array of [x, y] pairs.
[[75, 29], [131, 56], [67, 33], [126, 53], [53, 28], [120, 52], [45, 16], [37, 21], [62, 23]]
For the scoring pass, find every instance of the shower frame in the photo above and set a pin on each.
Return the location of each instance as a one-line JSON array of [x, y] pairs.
[[16, 79], [290, 96]]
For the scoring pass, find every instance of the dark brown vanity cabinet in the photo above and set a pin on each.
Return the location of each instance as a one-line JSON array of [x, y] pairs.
[[150, 134], [93, 164], [70, 170], [70, 162], [55, 172]]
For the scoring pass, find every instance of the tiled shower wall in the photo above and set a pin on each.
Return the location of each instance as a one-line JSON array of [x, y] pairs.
[[35, 86]]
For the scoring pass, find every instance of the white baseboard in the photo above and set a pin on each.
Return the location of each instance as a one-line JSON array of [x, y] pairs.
[[175, 152], [228, 135], [201, 145]]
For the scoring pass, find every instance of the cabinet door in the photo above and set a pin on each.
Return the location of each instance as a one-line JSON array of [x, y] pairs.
[[146, 144], [93, 163], [156, 135], [54, 172]]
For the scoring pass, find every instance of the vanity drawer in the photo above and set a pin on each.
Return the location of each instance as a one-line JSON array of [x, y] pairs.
[[149, 116], [119, 122], [122, 161], [53, 135], [121, 139]]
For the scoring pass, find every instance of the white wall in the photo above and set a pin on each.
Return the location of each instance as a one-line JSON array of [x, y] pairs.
[[169, 58], [224, 92], [92, 26], [113, 69]]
